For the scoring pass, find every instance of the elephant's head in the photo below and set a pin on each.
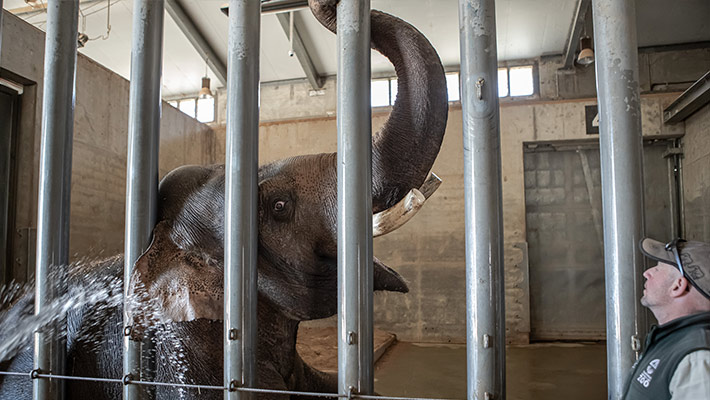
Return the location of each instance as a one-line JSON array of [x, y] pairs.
[[297, 199]]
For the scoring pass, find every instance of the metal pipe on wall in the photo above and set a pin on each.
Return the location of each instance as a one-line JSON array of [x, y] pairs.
[[54, 185], [142, 169], [485, 304], [1, 13], [620, 143], [241, 196], [355, 269]]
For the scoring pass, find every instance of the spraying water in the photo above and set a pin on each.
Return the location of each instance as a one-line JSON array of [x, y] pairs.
[[92, 302]]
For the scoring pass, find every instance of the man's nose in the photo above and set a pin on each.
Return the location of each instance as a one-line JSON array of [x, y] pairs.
[[647, 273]]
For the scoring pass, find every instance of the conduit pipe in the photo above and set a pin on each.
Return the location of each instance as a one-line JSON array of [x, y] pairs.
[[1, 13], [485, 304], [241, 169], [355, 269], [54, 185], [142, 168], [620, 143]]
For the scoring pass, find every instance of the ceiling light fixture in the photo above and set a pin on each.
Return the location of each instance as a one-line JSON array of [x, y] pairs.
[[205, 92], [586, 55]]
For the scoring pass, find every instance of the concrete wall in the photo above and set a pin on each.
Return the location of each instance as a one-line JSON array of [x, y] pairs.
[[100, 143], [666, 69], [696, 175]]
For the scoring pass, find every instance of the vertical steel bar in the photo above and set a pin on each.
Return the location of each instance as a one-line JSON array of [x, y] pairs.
[[54, 195], [485, 305], [622, 185], [54, 185], [142, 169], [355, 269], [240, 243]]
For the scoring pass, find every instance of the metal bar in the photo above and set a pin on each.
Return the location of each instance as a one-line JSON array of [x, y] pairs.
[[142, 169], [485, 305], [54, 185], [690, 101], [275, 6], [304, 57], [355, 269], [281, 6], [620, 144], [575, 33], [197, 39], [240, 243]]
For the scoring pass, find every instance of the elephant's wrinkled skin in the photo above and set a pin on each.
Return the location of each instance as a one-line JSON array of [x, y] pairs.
[[297, 278]]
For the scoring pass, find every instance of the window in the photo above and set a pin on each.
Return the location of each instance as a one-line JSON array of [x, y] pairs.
[[452, 86], [380, 93], [200, 109], [383, 92], [516, 81]]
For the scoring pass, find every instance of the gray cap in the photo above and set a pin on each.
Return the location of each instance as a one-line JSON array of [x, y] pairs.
[[695, 257]]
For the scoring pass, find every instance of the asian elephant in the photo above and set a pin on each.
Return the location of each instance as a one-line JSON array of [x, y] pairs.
[[182, 271]]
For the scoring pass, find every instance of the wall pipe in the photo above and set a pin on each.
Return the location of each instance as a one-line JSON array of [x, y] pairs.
[[142, 168], [485, 304], [620, 142], [54, 185], [240, 242], [1, 13], [355, 269]]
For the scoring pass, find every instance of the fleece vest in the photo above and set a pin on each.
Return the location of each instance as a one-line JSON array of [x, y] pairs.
[[666, 345]]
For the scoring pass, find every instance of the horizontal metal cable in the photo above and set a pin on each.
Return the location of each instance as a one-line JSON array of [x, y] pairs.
[[179, 385], [373, 397], [274, 391], [30, 374], [27, 374], [78, 378]]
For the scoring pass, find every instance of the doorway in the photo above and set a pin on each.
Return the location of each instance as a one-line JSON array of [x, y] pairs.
[[9, 119], [565, 232]]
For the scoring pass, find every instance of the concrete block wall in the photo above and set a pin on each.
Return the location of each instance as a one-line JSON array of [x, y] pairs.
[[100, 143], [696, 175]]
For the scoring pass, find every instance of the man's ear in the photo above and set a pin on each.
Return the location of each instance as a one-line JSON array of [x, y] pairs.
[[679, 287]]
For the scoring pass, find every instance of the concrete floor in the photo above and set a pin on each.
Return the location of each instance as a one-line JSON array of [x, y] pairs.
[[541, 371]]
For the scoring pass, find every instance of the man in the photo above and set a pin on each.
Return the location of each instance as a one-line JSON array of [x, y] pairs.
[[676, 361]]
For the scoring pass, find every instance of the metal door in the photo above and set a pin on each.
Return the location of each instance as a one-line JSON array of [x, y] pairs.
[[565, 234]]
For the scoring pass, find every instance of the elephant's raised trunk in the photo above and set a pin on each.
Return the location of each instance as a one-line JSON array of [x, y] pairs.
[[406, 147]]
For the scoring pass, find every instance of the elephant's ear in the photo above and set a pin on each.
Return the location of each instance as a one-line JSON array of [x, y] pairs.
[[170, 284], [388, 279]]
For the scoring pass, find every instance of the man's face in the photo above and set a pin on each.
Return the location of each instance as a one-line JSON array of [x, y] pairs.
[[659, 280]]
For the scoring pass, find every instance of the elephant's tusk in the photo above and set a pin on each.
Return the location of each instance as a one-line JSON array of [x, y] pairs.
[[430, 185], [394, 217]]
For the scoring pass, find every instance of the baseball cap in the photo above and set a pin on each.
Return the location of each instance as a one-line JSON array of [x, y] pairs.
[[694, 258]]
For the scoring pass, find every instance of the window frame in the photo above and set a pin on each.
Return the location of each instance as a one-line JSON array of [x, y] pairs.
[[507, 65], [196, 99]]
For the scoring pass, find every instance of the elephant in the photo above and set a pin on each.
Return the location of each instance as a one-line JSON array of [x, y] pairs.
[[182, 270]]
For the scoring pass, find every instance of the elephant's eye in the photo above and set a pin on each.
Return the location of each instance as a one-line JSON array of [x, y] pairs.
[[279, 205]]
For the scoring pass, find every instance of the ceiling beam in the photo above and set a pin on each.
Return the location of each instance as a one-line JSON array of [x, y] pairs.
[[697, 96], [41, 7], [197, 39], [274, 6], [300, 50], [279, 6], [576, 32]]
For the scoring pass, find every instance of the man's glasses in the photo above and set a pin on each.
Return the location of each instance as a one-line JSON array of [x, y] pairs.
[[673, 247]]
